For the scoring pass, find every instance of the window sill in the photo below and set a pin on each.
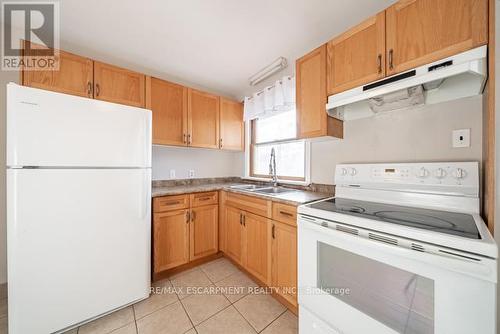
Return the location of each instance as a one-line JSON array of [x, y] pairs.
[[280, 182]]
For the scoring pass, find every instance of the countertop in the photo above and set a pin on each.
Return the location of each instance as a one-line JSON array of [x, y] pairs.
[[295, 197]]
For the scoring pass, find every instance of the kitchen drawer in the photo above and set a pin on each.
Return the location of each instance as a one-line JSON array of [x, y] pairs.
[[168, 203], [285, 213], [250, 204], [208, 198]]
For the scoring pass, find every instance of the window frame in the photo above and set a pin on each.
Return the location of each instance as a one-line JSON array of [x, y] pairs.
[[250, 147]]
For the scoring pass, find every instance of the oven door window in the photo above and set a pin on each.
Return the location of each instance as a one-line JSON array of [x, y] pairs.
[[401, 300]]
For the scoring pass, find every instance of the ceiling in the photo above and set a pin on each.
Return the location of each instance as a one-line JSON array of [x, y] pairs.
[[211, 44]]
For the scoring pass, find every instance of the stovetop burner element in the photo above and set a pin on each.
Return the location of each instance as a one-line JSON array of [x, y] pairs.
[[454, 223]]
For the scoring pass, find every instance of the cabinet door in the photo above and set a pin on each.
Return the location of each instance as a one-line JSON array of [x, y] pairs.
[[231, 125], [256, 250], [119, 85], [233, 229], [74, 76], [312, 119], [168, 103], [284, 260], [423, 31], [170, 239], [203, 119], [357, 56], [203, 231]]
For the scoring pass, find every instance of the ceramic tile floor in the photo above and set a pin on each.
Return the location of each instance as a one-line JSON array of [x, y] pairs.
[[214, 297]]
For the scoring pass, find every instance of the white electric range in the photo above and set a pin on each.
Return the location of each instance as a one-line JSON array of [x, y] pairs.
[[401, 248]]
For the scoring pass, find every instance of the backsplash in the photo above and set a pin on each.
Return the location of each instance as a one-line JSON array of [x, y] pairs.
[[321, 188]]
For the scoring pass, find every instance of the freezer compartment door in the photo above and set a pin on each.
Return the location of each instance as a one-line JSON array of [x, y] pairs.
[[78, 244], [52, 129]]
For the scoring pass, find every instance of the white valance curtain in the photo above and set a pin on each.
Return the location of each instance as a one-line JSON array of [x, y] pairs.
[[272, 100]]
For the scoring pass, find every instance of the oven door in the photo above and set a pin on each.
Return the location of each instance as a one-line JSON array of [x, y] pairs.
[[357, 285]]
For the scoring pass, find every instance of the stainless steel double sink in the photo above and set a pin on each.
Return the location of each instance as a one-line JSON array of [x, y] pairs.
[[266, 190]]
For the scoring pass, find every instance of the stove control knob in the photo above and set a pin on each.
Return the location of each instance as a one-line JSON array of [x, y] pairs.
[[440, 173], [343, 172], [422, 173], [459, 173], [353, 171]]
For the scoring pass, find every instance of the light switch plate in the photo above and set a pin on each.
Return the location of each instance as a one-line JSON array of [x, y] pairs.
[[461, 138], [191, 173], [172, 173]]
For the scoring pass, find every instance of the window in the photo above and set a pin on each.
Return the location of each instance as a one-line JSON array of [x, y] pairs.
[[277, 131]]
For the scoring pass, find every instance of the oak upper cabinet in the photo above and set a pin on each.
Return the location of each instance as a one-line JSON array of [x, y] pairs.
[[203, 231], [256, 251], [233, 227], [168, 102], [284, 260], [423, 31], [119, 85], [74, 76], [311, 97], [203, 119], [170, 239], [232, 128], [357, 56]]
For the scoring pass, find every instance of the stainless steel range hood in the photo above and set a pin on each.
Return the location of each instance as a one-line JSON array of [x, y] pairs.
[[451, 78]]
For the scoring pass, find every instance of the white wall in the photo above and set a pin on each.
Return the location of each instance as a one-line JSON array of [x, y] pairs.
[[204, 162], [422, 134], [5, 77]]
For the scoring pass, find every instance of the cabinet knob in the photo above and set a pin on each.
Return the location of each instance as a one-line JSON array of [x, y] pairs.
[[379, 63], [220, 143]]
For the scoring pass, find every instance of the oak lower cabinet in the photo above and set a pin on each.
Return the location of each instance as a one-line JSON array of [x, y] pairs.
[[423, 31], [256, 255], [185, 228], [119, 85], [170, 239], [311, 98], [203, 231], [74, 76], [284, 260], [233, 227]]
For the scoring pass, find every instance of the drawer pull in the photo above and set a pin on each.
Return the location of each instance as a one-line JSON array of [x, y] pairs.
[[284, 213], [172, 202], [204, 198]]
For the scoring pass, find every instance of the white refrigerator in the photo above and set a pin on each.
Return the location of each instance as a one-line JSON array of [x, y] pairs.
[[78, 208]]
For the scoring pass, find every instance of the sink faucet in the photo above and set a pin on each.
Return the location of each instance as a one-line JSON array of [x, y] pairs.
[[272, 168]]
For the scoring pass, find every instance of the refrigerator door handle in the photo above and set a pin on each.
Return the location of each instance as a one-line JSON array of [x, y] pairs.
[[145, 195]]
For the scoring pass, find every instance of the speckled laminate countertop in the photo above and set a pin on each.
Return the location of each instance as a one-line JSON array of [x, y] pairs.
[[295, 197]]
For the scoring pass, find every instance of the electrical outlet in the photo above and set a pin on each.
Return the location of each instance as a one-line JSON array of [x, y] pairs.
[[191, 173], [461, 138], [172, 173]]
